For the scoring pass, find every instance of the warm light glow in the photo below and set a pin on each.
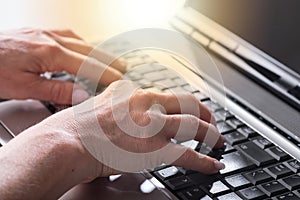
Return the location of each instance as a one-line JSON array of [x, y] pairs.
[[94, 20], [149, 12]]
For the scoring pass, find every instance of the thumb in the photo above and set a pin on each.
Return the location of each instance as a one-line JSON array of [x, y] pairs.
[[60, 92]]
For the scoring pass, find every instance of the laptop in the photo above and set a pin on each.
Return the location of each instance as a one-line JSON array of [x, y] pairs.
[[255, 46]]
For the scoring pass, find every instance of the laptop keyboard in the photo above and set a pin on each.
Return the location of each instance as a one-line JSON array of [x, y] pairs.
[[255, 167]]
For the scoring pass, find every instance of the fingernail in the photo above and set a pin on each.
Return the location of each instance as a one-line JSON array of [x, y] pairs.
[[219, 165], [79, 95]]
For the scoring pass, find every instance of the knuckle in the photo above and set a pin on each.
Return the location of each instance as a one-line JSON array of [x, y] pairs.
[[48, 49], [143, 95], [48, 53], [56, 91], [188, 155], [70, 31], [193, 120]]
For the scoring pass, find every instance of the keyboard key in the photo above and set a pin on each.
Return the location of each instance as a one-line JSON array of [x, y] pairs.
[[247, 131], [252, 193], [224, 128], [254, 153], [235, 162], [185, 171], [295, 91], [216, 188], [134, 76], [153, 89], [228, 148], [218, 118], [200, 96], [212, 105], [237, 182], [179, 182], [176, 90], [164, 84], [193, 193], [180, 81], [203, 148], [278, 171], [190, 143], [143, 83], [206, 197], [273, 188], [234, 138], [171, 74], [235, 123], [199, 178], [167, 172], [224, 114], [297, 192], [291, 182], [262, 142], [258, 177], [189, 88], [154, 76], [231, 196], [277, 153], [294, 165], [135, 61], [288, 196]]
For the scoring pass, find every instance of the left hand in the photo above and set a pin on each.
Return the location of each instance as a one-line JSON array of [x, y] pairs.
[[25, 54]]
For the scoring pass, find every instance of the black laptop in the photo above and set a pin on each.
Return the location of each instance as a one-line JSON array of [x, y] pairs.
[[256, 47]]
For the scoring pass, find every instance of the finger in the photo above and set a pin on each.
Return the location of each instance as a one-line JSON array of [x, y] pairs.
[[188, 127], [74, 63], [59, 92], [82, 47], [65, 33], [186, 104], [193, 160]]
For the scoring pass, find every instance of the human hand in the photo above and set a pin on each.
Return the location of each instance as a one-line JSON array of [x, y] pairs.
[[123, 129], [25, 54], [122, 122]]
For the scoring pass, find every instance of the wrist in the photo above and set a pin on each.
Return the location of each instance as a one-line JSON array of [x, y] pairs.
[[68, 148], [45, 163]]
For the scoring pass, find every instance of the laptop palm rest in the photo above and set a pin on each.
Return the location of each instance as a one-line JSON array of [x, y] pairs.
[[18, 115]]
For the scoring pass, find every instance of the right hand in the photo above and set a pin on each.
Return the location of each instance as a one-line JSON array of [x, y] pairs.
[[104, 120]]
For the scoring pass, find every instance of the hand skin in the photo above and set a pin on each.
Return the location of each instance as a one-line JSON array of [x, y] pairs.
[[25, 54], [46, 160]]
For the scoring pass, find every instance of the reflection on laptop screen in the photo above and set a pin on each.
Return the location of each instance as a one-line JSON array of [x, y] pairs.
[[272, 26]]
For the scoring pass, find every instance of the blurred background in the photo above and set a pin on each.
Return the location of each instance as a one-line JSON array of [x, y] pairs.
[[92, 19]]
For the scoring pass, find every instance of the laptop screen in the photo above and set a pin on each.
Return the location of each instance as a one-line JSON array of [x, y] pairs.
[[271, 25]]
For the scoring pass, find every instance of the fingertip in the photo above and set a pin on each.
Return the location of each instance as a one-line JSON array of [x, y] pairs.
[[120, 64], [79, 95], [110, 75], [209, 165], [219, 165]]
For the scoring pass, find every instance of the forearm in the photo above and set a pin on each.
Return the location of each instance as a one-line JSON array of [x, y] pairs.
[[41, 165]]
